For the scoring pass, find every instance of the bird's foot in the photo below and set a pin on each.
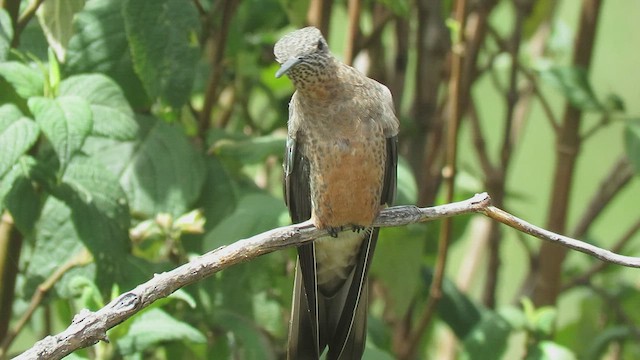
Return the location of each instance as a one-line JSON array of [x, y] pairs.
[[357, 228], [333, 231]]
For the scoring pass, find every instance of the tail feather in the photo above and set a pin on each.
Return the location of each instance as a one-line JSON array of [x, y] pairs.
[[340, 322]]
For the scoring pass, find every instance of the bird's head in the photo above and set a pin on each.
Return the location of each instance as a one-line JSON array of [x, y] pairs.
[[302, 54]]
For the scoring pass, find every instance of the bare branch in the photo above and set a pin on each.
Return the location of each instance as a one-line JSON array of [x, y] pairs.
[[565, 241], [597, 267], [89, 327], [619, 176]]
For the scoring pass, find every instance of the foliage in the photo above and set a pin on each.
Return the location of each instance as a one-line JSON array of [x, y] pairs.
[[148, 132]]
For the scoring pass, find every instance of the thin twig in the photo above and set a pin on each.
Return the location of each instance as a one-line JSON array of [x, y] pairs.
[[619, 176], [479, 139], [548, 279], [213, 85], [531, 78], [353, 31], [80, 259], [599, 266], [201, 10], [23, 20], [10, 249], [561, 240], [456, 108], [604, 121]]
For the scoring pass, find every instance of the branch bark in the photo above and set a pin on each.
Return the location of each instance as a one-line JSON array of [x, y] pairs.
[[87, 328]]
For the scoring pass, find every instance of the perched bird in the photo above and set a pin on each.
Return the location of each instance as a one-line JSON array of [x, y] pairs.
[[340, 170]]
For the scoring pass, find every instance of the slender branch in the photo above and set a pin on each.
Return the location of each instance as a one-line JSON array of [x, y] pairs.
[[10, 248], [547, 280], [531, 78], [366, 41], [451, 155], [80, 259], [479, 141], [619, 176], [604, 121], [353, 31], [24, 19], [219, 42], [201, 10], [87, 328], [319, 14], [561, 240], [432, 43], [597, 267]]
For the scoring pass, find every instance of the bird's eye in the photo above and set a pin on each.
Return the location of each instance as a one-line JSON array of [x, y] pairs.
[[320, 45]]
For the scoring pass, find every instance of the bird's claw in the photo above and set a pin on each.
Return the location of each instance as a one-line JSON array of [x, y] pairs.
[[333, 231], [357, 228]]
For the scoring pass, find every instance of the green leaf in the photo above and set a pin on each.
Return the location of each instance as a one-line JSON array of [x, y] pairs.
[[407, 192], [296, 11], [154, 326], [94, 186], [598, 346], [545, 320], [99, 44], [398, 267], [632, 143], [26, 81], [254, 214], [455, 308], [488, 339], [373, 353], [23, 199], [401, 8], [574, 84], [548, 350], [251, 150], [55, 242], [541, 11], [160, 171], [6, 34], [100, 215], [163, 36], [112, 115], [55, 17], [220, 196], [66, 121], [251, 339], [17, 136]]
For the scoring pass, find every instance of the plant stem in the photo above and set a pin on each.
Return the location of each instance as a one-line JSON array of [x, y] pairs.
[[10, 248], [548, 281]]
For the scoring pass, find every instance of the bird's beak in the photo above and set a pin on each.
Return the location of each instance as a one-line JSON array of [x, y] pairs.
[[288, 65]]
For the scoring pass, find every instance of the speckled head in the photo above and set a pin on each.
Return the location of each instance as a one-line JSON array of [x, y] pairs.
[[302, 54]]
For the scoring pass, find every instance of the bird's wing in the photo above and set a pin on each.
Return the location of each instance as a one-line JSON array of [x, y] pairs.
[[303, 332]]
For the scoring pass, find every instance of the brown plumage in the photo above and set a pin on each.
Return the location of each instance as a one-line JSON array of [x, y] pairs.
[[340, 169]]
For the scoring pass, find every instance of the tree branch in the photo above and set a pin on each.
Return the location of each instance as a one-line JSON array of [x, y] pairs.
[[87, 328]]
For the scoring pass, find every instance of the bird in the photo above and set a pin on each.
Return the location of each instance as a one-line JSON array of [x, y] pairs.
[[339, 172]]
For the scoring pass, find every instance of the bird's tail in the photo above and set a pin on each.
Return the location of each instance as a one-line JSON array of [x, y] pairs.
[[338, 321]]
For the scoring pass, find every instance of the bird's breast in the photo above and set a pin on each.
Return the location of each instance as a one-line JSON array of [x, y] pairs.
[[346, 177]]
